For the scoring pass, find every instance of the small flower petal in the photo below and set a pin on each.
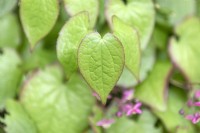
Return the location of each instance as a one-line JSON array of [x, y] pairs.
[[197, 94], [127, 95], [105, 123], [196, 104], [195, 118]]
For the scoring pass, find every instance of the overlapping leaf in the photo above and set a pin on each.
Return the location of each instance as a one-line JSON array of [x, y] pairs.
[[10, 35], [153, 90], [69, 39], [18, 121], [147, 61], [54, 106], [185, 51], [10, 75], [131, 45], [91, 6], [138, 14]]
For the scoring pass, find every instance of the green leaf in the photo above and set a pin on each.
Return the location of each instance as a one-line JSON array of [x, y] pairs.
[[10, 75], [18, 121], [55, 106], [138, 14], [101, 61], [91, 6], [38, 18], [10, 35], [152, 90], [171, 117], [185, 52], [145, 124], [6, 6], [40, 57], [147, 61], [177, 9], [69, 39], [130, 41]]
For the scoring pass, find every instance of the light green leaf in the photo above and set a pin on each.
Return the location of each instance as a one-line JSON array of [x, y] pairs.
[[91, 6], [152, 90], [38, 18], [138, 14], [130, 40], [10, 75], [185, 52], [145, 124], [56, 107], [171, 118], [6, 6], [10, 35], [101, 61], [147, 62], [18, 121], [176, 10], [40, 57], [69, 39]]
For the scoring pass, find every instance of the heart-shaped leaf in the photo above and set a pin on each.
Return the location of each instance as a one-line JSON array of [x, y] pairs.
[[131, 45], [69, 40], [18, 121], [38, 18], [9, 29], [91, 6], [152, 90], [10, 75], [139, 14], [6, 6], [56, 107], [101, 61], [185, 52]]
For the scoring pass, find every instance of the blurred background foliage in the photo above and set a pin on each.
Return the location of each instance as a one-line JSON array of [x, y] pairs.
[[164, 87]]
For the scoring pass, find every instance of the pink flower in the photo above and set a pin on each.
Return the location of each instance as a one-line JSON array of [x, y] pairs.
[[197, 94], [196, 104], [194, 118], [105, 123], [130, 109], [135, 109], [127, 95]]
